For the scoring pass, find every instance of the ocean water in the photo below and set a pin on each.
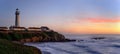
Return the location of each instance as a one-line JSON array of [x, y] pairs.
[[84, 45]]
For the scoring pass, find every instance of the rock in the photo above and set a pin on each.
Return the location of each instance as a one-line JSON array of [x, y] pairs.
[[40, 38], [69, 40], [44, 37], [35, 39], [98, 38], [22, 40], [28, 40]]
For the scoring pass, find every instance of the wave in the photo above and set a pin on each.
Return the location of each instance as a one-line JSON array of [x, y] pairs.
[[109, 45]]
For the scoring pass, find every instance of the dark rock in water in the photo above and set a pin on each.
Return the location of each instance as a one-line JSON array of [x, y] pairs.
[[79, 40], [69, 40], [98, 38]]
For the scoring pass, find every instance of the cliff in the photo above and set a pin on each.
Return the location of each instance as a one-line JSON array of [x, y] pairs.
[[43, 37], [26, 36]]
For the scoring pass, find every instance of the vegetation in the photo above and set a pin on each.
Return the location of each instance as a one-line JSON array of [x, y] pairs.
[[43, 36], [7, 47]]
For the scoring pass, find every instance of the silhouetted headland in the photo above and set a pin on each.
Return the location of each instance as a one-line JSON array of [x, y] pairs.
[[31, 34], [12, 38]]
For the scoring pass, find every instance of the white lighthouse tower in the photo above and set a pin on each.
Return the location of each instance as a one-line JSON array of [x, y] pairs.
[[17, 18]]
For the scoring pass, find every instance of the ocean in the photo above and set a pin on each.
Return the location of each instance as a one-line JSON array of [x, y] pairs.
[[84, 44]]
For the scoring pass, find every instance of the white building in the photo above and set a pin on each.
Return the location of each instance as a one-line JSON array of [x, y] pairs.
[[45, 28], [33, 29], [13, 28], [3, 29]]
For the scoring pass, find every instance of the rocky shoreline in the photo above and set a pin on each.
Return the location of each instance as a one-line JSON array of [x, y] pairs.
[[37, 39], [21, 37]]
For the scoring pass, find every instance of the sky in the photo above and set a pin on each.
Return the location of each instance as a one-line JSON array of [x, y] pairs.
[[64, 16]]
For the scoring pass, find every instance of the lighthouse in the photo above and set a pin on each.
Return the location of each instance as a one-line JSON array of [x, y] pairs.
[[17, 18]]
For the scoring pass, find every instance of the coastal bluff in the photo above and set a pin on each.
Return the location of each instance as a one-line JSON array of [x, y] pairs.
[[13, 38], [32, 34], [41, 37]]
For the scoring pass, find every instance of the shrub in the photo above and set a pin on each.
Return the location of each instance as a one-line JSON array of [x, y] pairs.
[[7, 47]]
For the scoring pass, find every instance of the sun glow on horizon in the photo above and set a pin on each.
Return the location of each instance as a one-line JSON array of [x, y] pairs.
[[94, 27]]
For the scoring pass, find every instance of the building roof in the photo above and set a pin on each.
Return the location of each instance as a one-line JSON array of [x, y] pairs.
[[3, 28], [18, 27], [44, 27], [33, 28]]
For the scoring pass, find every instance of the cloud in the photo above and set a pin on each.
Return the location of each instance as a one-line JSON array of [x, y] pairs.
[[104, 20], [101, 20]]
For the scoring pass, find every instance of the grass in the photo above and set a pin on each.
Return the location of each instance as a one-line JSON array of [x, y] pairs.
[[8, 47]]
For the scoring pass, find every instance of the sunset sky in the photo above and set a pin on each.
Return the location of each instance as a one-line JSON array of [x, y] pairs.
[[64, 16]]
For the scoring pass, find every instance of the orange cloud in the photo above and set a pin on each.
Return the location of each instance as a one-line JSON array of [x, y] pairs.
[[97, 25], [103, 20]]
